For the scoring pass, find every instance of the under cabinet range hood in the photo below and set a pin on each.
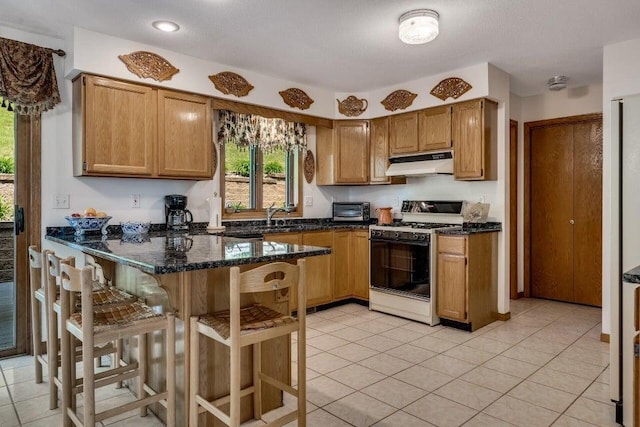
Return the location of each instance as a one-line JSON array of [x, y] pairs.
[[421, 164]]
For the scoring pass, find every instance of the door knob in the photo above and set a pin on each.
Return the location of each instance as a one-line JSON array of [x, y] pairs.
[[571, 222]]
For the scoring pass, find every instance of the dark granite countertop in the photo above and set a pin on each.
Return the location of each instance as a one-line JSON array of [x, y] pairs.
[[162, 252], [472, 228], [632, 276]]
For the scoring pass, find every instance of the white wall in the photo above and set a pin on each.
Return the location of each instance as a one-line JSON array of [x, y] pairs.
[[621, 68]]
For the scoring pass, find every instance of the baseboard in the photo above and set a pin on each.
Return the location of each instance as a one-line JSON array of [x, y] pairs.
[[605, 338], [503, 316], [520, 294]]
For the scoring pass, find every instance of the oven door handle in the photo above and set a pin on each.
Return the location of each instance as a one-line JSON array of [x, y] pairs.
[[406, 242]]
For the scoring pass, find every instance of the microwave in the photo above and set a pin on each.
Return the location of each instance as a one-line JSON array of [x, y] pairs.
[[351, 211]]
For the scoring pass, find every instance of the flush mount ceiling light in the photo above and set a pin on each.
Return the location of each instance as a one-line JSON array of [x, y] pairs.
[[166, 26], [418, 26], [556, 83]]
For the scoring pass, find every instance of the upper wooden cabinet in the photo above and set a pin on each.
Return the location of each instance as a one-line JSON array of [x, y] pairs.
[[403, 134], [132, 130], [343, 153], [434, 129], [184, 135], [475, 140]]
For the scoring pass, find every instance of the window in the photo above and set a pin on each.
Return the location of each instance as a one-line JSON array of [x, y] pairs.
[[261, 163]]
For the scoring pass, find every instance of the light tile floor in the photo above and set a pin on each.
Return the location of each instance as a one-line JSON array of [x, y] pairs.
[[546, 366]]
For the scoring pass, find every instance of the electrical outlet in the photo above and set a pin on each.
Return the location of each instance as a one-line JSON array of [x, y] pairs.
[[135, 200], [395, 202], [481, 199], [308, 200], [61, 201]]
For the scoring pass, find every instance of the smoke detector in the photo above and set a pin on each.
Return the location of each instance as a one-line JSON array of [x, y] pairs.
[[557, 83]]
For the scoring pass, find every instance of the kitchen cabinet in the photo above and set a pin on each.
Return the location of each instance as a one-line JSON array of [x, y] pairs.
[[466, 281], [379, 153], [434, 129], [403, 134], [124, 129], [475, 140], [319, 269], [343, 153], [359, 263], [342, 280]]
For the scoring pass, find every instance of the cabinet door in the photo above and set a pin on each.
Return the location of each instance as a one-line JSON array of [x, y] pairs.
[[359, 263], [434, 129], [319, 269], [468, 140], [119, 127], [184, 137], [379, 150], [352, 152], [403, 134], [451, 296], [342, 281]]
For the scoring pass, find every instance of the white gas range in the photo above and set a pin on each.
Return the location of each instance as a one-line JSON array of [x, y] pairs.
[[402, 261]]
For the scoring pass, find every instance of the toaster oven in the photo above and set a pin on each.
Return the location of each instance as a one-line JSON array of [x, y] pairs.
[[351, 211]]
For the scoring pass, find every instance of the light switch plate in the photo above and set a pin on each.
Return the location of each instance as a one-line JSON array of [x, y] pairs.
[[61, 201], [308, 200], [135, 200]]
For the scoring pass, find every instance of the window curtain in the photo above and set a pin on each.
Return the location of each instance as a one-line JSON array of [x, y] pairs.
[[249, 130], [27, 77]]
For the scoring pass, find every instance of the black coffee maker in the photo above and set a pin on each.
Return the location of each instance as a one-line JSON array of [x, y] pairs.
[[177, 215]]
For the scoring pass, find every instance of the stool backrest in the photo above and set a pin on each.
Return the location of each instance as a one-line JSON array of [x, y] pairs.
[[269, 277], [35, 268]]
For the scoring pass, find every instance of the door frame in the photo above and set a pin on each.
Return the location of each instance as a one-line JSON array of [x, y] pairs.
[[513, 209], [28, 131], [528, 128]]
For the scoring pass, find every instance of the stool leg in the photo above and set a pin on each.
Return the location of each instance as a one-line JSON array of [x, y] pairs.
[[142, 370], [257, 382], [235, 384], [73, 344], [52, 355], [118, 356], [68, 363], [36, 330], [88, 383], [194, 374], [171, 370], [302, 381]]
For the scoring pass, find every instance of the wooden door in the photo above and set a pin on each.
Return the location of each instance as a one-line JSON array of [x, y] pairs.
[[565, 209], [352, 151], [468, 141], [119, 127], [434, 129], [513, 209], [587, 213], [451, 299], [359, 263], [342, 281], [184, 136], [403, 134], [379, 150], [319, 269]]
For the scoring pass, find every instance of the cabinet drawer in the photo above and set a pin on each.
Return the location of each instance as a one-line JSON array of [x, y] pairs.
[[452, 245]]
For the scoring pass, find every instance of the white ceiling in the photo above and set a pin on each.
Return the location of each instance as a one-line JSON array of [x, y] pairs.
[[353, 45]]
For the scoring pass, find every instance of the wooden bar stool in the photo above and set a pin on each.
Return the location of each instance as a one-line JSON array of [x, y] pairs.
[[37, 294], [96, 325], [102, 295], [240, 327]]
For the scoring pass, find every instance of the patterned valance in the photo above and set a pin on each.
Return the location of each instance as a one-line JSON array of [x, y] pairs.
[[27, 77], [249, 130]]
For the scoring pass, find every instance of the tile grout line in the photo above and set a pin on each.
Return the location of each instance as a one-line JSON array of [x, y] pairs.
[[13, 404]]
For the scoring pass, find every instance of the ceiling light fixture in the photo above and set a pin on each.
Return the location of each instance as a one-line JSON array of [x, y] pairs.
[[556, 83], [166, 26], [418, 26]]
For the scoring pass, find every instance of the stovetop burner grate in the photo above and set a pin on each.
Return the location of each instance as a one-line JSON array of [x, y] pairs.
[[420, 225]]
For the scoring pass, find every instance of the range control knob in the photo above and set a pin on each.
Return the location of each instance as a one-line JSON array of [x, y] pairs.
[[423, 236], [397, 235], [415, 236]]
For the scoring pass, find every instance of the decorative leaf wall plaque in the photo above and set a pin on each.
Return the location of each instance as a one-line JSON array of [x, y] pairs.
[[148, 64], [231, 83], [398, 100], [452, 87], [352, 106], [297, 98], [309, 167]]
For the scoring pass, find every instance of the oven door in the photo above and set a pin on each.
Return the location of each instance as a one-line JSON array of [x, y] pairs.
[[401, 267]]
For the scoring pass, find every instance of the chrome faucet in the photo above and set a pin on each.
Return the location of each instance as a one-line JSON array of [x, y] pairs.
[[272, 210]]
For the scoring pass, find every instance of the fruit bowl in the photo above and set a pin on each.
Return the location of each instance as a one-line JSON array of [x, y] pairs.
[[88, 223], [135, 227]]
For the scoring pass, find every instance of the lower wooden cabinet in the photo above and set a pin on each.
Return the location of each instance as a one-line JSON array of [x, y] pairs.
[[343, 274], [466, 287]]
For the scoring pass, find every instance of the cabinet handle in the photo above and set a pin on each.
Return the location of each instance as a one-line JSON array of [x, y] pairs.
[[571, 222]]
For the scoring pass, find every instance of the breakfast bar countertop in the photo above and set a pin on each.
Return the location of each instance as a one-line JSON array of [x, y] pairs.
[[163, 253]]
